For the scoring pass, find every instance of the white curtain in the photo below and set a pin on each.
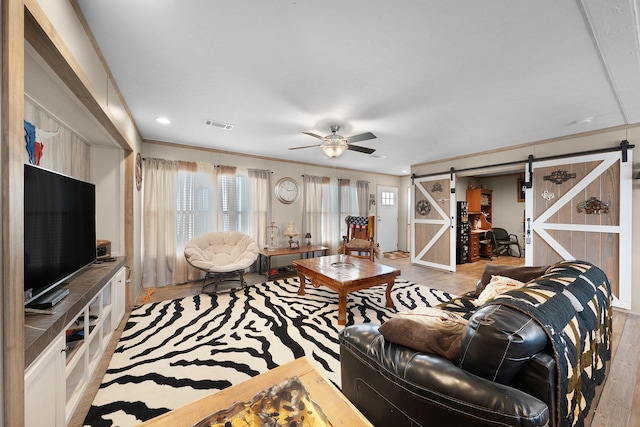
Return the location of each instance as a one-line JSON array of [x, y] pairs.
[[159, 229], [259, 204], [331, 214], [195, 211], [362, 189], [312, 207], [320, 210], [348, 201]]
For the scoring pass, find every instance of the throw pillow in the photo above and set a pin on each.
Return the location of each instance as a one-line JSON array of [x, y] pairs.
[[497, 286], [427, 329], [521, 273]]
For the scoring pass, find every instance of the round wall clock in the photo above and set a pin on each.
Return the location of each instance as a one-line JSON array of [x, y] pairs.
[[138, 171], [287, 190]]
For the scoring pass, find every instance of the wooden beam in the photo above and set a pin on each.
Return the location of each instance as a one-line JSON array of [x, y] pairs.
[[11, 162]]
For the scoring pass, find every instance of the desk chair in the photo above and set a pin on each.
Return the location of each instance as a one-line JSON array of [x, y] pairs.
[[503, 241]]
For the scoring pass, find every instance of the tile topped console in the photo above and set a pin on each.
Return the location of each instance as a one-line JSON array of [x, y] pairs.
[[42, 329], [62, 349]]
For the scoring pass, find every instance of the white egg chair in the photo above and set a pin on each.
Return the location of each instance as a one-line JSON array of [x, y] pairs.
[[223, 256]]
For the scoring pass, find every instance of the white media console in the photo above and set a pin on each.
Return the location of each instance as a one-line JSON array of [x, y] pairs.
[[63, 349]]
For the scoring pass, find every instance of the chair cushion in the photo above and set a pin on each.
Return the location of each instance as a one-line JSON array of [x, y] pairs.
[[221, 252], [359, 244]]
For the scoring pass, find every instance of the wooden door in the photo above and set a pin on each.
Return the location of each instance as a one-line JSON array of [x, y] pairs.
[[433, 222], [580, 208]]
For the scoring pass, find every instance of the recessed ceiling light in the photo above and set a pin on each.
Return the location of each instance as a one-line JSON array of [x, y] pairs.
[[163, 120], [405, 171], [584, 121]]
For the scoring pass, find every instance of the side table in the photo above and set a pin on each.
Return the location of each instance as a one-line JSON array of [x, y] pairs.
[[265, 255]]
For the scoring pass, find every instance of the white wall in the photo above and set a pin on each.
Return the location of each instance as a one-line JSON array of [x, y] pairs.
[[281, 213], [107, 175], [506, 211]]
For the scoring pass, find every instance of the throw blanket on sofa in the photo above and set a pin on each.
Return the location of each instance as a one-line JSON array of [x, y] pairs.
[[572, 302]]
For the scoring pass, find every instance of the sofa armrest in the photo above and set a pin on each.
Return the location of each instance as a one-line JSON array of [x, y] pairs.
[[389, 383]]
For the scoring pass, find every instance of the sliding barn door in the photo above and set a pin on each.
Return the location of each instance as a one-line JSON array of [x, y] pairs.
[[433, 222], [580, 208]]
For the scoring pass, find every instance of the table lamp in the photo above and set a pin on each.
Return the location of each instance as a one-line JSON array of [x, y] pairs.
[[291, 232], [308, 237]]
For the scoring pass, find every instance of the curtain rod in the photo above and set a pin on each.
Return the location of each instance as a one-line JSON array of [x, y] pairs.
[[624, 146]]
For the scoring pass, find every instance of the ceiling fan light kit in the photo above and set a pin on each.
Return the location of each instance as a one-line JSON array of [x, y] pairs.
[[335, 145], [334, 149]]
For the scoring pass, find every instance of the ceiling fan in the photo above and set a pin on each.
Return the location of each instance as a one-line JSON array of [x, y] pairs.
[[334, 145]]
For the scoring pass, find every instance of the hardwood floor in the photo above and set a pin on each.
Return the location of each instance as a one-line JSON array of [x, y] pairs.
[[618, 404]]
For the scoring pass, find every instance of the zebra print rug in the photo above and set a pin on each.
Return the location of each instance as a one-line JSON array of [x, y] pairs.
[[174, 352]]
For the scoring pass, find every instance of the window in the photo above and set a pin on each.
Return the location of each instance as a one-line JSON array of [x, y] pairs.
[[194, 205], [387, 198], [234, 203]]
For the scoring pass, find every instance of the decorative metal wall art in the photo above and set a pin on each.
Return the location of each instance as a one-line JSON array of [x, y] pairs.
[[547, 195], [593, 206], [559, 177], [423, 207], [437, 188]]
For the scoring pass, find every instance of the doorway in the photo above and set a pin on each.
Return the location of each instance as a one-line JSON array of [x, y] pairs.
[[387, 218]]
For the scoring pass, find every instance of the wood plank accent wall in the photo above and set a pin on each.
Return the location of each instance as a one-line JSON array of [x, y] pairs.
[[11, 162], [66, 152]]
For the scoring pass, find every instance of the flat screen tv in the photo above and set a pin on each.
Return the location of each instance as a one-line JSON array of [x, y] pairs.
[[59, 229]]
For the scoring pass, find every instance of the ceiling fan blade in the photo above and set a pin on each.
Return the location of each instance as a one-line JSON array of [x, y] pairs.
[[313, 135], [305, 146], [360, 137], [360, 149]]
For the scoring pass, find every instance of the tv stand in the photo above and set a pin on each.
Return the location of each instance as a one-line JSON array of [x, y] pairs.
[[63, 348], [49, 299]]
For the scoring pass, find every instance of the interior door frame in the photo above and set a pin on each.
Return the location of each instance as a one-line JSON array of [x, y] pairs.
[[539, 227], [447, 222]]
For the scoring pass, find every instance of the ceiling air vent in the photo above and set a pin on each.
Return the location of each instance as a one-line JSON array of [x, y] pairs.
[[226, 126]]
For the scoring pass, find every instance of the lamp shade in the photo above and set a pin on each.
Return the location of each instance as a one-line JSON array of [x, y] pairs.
[[291, 230], [334, 149]]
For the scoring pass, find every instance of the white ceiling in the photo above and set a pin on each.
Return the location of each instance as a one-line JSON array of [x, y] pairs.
[[432, 79]]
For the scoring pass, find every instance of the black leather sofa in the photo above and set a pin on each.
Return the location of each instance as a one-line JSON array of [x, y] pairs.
[[394, 385]]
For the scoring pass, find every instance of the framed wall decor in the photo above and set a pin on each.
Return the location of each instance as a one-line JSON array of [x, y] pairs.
[[521, 188]]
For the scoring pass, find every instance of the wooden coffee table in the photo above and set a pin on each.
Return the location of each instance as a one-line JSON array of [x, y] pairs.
[[337, 408], [344, 274]]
